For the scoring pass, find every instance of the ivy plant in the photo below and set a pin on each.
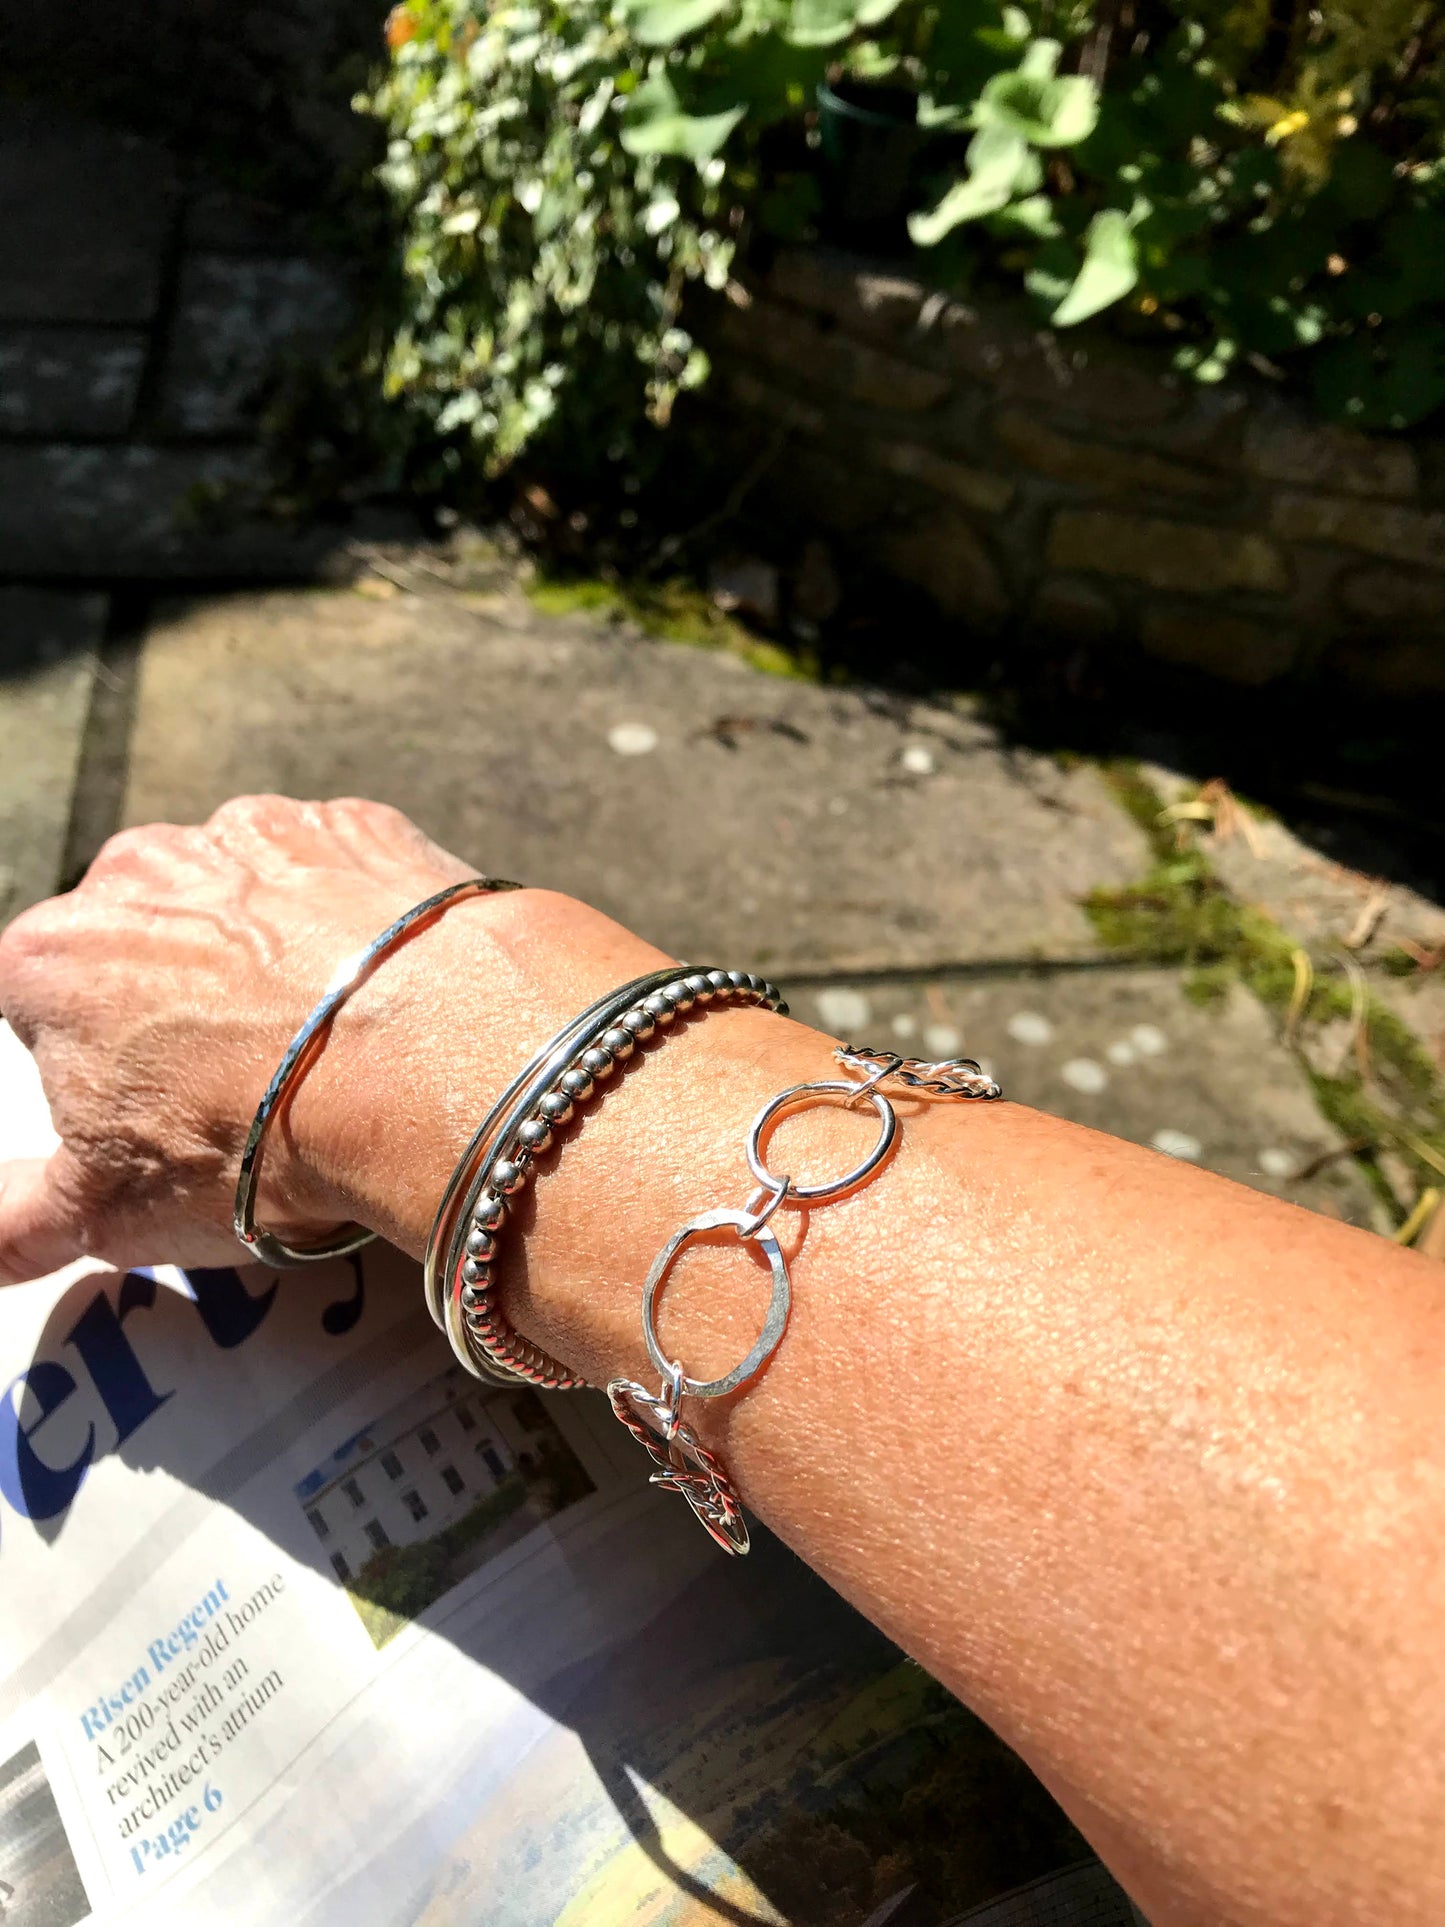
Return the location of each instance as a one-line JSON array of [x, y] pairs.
[[1254, 180]]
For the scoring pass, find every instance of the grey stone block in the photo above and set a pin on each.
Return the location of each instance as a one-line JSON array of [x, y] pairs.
[[129, 512], [48, 644], [84, 218], [1313, 896], [236, 317], [65, 382], [726, 814]]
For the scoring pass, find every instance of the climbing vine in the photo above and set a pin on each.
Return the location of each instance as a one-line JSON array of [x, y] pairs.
[[1255, 181]]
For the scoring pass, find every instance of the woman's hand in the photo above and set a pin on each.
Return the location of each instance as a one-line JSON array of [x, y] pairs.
[[159, 996]]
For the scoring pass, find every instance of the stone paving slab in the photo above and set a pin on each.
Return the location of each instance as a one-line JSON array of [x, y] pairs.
[[48, 662], [69, 381], [719, 810], [85, 213], [1122, 1050], [123, 513], [1335, 911], [1306, 890], [1319, 899]]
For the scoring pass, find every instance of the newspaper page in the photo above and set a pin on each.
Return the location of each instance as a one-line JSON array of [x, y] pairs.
[[302, 1624]]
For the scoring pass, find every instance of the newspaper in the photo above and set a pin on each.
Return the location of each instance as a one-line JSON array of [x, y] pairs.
[[301, 1624]]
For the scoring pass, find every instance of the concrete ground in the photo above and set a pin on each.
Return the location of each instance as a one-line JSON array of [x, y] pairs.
[[902, 865], [908, 874]]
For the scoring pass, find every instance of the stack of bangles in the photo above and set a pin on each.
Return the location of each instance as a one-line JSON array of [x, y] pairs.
[[565, 1075]]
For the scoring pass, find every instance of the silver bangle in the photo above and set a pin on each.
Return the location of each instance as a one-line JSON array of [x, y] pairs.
[[497, 1165], [681, 1463], [300, 1053]]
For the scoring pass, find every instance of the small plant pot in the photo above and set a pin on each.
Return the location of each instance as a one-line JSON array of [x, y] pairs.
[[871, 143]]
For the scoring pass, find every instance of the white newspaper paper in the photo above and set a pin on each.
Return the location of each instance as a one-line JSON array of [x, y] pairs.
[[301, 1624]]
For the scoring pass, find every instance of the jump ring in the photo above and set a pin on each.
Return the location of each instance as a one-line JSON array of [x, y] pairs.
[[757, 1215], [674, 1379], [890, 1065]]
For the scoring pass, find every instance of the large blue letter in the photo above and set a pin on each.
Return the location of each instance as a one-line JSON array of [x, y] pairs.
[[228, 1311], [35, 1489], [119, 1376]]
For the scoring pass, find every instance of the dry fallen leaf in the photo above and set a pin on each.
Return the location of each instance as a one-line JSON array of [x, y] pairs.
[[1217, 806], [1418, 1224], [401, 26], [1431, 1241], [1370, 918]]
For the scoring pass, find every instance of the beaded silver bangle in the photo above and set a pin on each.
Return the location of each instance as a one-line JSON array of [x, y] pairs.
[[497, 1165], [348, 976]]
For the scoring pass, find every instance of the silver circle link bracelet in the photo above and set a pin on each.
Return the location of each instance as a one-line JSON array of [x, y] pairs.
[[566, 1075]]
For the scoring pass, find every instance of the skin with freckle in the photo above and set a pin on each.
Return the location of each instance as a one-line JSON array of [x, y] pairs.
[[1147, 1467]]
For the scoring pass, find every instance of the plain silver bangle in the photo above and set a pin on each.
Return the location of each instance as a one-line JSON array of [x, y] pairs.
[[301, 1051]]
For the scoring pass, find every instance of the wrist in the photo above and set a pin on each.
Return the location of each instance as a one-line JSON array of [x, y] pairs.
[[664, 1143], [418, 1055]]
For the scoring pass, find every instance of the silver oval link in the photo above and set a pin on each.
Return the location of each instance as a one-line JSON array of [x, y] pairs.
[[774, 1325], [822, 1093]]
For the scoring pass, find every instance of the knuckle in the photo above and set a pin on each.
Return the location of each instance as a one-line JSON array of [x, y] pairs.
[[31, 937], [360, 812], [151, 852], [121, 850], [261, 812]]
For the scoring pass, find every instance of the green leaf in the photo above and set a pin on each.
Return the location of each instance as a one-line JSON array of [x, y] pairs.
[[654, 123], [1041, 59], [1046, 286], [661, 23], [1000, 165], [1110, 269], [1034, 214], [777, 81], [1208, 364], [660, 214], [1049, 112], [822, 23]]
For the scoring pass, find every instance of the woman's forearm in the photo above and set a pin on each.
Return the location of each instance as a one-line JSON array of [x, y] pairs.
[[1145, 1466]]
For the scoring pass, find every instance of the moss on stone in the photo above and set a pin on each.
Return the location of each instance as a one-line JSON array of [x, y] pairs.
[[675, 610], [553, 596], [1181, 913]]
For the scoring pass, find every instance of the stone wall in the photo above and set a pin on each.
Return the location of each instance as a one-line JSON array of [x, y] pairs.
[[1036, 483], [263, 87], [146, 311]]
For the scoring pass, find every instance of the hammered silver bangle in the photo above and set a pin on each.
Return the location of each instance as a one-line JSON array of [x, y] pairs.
[[497, 1165], [300, 1053], [681, 1463]]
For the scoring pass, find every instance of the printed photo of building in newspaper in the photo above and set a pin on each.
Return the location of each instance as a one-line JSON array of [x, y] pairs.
[[40, 1885], [427, 1492]]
